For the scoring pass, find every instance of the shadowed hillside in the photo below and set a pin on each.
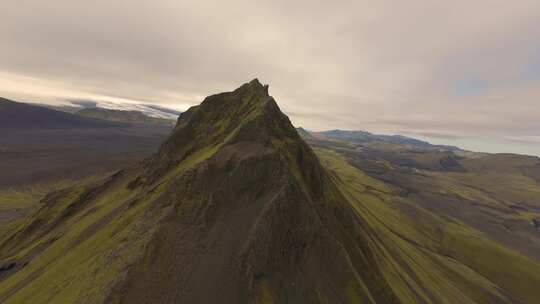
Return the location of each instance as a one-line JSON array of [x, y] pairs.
[[15, 115]]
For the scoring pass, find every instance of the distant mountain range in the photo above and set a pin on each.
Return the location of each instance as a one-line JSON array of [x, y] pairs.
[[363, 137], [123, 116], [15, 115], [150, 110]]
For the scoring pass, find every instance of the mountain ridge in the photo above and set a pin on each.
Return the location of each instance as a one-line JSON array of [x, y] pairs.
[[359, 136]]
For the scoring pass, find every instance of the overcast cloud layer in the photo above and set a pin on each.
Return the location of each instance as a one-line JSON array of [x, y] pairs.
[[456, 72]]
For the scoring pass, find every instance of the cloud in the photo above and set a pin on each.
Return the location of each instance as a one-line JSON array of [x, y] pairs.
[[525, 139], [466, 68], [434, 135]]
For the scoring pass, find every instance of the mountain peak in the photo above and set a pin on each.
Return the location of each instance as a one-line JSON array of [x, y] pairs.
[[255, 82], [246, 115], [255, 86]]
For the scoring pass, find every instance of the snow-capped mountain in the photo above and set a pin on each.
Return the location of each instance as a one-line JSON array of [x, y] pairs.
[[148, 109]]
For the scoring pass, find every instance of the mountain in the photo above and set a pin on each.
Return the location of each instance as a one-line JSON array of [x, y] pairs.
[[147, 109], [15, 115], [402, 150], [236, 207], [227, 205], [123, 116], [362, 137], [76, 105], [62, 108]]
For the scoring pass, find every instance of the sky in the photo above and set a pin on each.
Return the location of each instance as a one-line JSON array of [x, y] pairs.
[[462, 72]]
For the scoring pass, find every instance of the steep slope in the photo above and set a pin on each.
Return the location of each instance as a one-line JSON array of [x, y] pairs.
[[446, 259], [16, 115], [237, 208]]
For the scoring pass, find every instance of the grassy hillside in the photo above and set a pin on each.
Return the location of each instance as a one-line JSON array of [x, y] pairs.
[[449, 260], [497, 194]]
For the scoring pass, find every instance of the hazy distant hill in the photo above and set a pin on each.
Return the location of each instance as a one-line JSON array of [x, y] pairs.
[[124, 116], [151, 110], [15, 115], [370, 138]]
